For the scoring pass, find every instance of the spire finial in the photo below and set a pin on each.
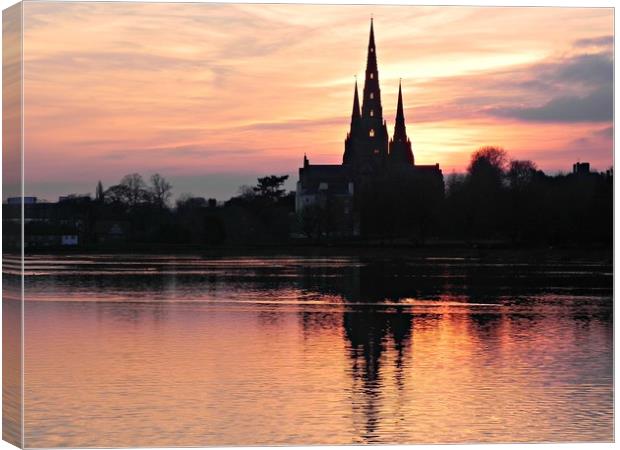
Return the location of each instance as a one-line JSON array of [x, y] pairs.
[[371, 42]]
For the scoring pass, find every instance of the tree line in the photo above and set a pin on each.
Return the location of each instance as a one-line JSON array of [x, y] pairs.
[[500, 198], [496, 199], [142, 212], [133, 191]]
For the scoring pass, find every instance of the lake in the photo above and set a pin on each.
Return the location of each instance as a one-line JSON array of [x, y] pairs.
[[147, 350]]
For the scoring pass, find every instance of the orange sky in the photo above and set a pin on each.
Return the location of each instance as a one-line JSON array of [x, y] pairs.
[[213, 95]]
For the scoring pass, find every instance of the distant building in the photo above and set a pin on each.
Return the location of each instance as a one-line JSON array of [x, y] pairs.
[[581, 168], [18, 200], [73, 197], [369, 153]]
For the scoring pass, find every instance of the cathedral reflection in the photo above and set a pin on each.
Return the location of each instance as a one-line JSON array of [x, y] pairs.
[[370, 334], [377, 332]]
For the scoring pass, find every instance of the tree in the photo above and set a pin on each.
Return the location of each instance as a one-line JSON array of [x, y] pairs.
[[485, 211], [118, 194], [246, 192], [187, 202], [454, 183], [161, 190], [521, 174], [270, 187], [525, 194], [309, 220], [488, 162], [135, 189], [99, 194], [130, 192]]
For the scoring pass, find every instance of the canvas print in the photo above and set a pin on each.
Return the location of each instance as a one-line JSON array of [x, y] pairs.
[[295, 224]]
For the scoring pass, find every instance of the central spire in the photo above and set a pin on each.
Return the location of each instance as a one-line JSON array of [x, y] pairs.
[[371, 107], [366, 144], [371, 60]]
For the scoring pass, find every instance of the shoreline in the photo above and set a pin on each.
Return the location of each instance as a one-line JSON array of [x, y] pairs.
[[452, 250]]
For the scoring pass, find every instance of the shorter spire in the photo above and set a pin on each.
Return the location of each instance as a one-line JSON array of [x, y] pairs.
[[400, 145], [400, 132], [356, 103]]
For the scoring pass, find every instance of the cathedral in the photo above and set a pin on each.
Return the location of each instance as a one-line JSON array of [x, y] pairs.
[[369, 155]]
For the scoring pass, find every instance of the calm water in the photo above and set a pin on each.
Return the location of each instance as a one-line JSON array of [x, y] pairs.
[[160, 351]]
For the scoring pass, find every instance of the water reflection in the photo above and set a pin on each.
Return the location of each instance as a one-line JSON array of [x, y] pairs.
[[369, 333], [309, 350]]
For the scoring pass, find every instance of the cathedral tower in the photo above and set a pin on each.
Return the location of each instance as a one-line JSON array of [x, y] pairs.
[[366, 145]]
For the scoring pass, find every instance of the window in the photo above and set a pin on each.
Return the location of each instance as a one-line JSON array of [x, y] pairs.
[[376, 151], [372, 50], [372, 95], [372, 132], [372, 113], [372, 75]]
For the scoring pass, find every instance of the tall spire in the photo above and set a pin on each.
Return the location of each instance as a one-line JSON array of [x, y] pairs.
[[372, 57], [371, 106], [366, 144], [356, 104], [400, 132]]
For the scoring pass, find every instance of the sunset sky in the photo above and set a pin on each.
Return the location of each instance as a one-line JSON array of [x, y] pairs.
[[214, 95]]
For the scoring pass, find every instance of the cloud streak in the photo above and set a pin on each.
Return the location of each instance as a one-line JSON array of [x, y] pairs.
[[195, 90], [599, 41], [594, 107]]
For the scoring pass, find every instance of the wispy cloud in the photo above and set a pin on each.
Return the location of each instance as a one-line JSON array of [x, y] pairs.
[[596, 106], [194, 90], [599, 41]]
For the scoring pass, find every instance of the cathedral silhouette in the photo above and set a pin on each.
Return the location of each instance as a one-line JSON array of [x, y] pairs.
[[369, 155]]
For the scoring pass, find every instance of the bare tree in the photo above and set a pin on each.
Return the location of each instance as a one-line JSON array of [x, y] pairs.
[[135, 189], [161, 190]]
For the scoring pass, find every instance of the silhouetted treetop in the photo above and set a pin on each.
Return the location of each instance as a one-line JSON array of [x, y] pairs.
[[161, 190], [133, 191], [488, 160], [521, 173], [99, 194], [270, 187], [187, 202]]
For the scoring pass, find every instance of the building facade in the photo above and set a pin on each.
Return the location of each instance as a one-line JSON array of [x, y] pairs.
[[336, 192]]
